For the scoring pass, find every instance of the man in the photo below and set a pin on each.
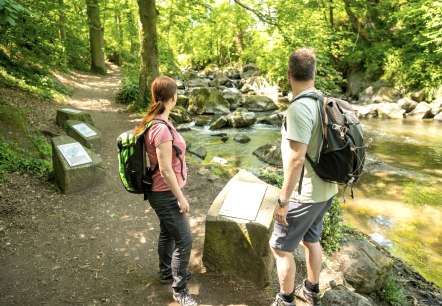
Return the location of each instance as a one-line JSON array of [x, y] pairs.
[[299, 216]]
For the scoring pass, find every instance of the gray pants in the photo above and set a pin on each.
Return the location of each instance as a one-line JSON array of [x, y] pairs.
[[175, 241]]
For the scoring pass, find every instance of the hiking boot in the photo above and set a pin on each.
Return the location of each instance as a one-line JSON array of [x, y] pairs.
[[168, 279], [184, 298], [310, 297], [279, 301]]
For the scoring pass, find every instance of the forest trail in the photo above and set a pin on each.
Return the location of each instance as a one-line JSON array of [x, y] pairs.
[[99, 246]]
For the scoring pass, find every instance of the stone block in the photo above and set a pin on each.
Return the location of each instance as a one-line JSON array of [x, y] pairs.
[[77, 177], [236, 246], [69, 113], [84, 133]]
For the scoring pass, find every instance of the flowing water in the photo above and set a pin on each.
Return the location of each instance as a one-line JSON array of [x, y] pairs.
[[400, 209]]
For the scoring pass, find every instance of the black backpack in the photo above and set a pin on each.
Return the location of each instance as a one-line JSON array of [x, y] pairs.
[[342, 154], [135, 174]]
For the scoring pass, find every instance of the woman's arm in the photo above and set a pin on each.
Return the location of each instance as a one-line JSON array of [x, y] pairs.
[[164, 154]]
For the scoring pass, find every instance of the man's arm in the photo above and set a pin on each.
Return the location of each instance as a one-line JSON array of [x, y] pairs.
[[292, 173]]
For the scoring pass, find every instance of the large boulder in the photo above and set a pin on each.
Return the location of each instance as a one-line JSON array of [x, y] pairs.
[[233, 96], [249, 70], [366, 95], [386, 94], [418, 96], [238, 227], [407, 104], [198, 82], [270, 153], [180, 115], [259, 103], [273, 119], [208, 101], [233, 73], [356, 84], [364, 267], [339, 295], [438, 117], [422, 111], [219, 123], [390, 111], [241, 118]]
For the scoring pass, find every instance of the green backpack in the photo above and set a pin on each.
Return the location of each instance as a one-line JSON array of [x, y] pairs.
[[135, 174]]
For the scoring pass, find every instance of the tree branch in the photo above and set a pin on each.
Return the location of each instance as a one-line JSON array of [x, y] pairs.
[[266, 19]]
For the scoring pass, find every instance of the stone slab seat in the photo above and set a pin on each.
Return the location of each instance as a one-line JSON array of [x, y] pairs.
[[239, 247], [77, 178], [91, 142], [69, 113]]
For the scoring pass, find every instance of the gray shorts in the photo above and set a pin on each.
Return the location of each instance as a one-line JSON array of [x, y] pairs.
[[305, 223]]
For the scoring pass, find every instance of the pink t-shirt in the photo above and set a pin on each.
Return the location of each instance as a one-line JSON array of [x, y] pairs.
[[156, 135]]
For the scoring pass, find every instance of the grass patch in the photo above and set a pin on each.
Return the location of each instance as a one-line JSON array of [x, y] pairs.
[[392, 292], [15, 159]]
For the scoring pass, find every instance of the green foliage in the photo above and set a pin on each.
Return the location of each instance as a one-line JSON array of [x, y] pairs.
[[14, 159], [128, 93], [10, 11], [332, 231], [271, 178], [393, 292]]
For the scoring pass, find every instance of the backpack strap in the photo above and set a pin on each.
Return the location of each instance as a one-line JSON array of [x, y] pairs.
[[324, 120], [178, 151]]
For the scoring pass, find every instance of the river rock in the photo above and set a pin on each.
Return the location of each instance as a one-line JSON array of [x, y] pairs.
[[202, 120], [273, 119], [364, 267], [366, 95], [180, 115], [219, 123], [208, 101], [407, 104], [241, 118], [233, 73], [418, 96], [201, 152], [183, 101], [259, 103], [233, 96], [422, 111], [339, 295], [356, 83], [249, 70], [365, 111], [438, 117], [386, 94], [198, 82], [241, 138], [270, 153], [390, 111]]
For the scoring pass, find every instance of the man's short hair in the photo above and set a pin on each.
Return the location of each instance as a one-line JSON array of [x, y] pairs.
[[302, 64]]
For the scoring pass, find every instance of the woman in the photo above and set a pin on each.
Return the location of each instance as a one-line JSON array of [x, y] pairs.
[[166, 198]]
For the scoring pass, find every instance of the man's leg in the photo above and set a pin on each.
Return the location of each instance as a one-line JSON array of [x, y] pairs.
[[285, 264], [313, 259]]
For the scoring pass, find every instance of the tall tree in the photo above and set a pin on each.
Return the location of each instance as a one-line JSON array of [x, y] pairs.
[[95, 37], [149, 69]]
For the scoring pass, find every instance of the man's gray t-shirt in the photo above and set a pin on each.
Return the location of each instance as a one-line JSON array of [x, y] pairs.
[[303, 125]]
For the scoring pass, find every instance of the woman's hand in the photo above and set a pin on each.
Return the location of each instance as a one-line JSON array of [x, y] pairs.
[[184, 206]]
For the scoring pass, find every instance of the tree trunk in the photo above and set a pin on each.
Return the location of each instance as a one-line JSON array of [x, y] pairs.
[[61, 20], [149, 50], [95, 37]]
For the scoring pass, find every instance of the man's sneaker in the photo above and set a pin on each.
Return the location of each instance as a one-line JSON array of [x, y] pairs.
[[279, 301], [184, 298], [310, 297], [168, 279]]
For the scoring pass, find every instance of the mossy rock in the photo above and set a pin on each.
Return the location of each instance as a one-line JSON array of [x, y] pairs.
[[14, 127]]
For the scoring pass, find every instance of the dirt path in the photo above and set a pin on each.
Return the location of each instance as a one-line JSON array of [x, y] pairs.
[[99, 246]]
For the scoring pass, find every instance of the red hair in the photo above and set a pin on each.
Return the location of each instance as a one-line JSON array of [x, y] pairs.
[[163, 89]]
